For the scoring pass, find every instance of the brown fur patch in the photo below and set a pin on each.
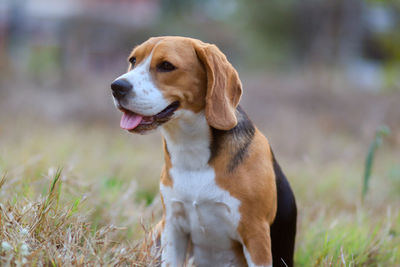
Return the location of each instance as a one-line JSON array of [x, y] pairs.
[[224, 87], [165, 177], [253, 183]]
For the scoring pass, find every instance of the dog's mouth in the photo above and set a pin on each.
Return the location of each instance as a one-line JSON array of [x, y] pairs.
[[134, 122]]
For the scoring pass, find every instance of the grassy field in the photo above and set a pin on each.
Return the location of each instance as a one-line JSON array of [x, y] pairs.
[[107, 194], [83, 194]]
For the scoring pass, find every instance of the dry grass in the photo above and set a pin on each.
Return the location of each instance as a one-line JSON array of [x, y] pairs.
[[72, 217], [43, 232]]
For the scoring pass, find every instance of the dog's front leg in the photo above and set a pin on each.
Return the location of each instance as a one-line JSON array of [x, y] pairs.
[[174, 243], [257, 244]]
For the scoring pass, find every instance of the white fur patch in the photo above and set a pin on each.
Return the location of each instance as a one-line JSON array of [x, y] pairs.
[[145, 98], [195, 206]]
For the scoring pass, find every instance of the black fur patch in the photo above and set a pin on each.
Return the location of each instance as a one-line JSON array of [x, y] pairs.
[[283, 229], [238, 139]]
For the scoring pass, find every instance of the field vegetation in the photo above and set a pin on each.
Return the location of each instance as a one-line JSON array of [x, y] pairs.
[[83, 192]]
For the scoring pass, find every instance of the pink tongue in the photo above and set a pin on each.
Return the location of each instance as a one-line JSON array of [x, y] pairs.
[[130, 121]]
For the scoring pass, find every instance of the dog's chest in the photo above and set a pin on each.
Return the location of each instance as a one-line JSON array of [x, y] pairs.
[[199, 207], [195, 204]]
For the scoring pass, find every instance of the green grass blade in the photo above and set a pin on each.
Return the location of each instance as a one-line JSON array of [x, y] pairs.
[[380, 133]]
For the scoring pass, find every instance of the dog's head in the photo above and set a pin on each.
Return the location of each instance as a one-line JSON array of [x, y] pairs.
[[171, 73]]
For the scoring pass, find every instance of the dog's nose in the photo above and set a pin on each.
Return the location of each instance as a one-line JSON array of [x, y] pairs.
[[120, 88]]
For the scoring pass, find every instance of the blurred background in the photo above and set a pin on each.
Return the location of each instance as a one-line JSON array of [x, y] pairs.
[[334, 65], [320, 77]]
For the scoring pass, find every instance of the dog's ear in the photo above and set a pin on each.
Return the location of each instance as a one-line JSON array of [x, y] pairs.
[[224, 87]]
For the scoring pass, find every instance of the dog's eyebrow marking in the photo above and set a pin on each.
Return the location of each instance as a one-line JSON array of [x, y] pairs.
[[237, 139]]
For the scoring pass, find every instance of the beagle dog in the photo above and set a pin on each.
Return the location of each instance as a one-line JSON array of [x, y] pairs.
[[225, 199]]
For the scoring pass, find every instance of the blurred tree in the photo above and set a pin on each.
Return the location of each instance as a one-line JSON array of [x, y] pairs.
[[268, 27], [257, 33], [382, 42], [329, 31]]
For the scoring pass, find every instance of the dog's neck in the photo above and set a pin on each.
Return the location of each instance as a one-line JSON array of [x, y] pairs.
[[188, 140]]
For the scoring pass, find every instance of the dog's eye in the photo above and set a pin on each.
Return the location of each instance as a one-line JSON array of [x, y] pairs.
[[132, 60], [165, 66]]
